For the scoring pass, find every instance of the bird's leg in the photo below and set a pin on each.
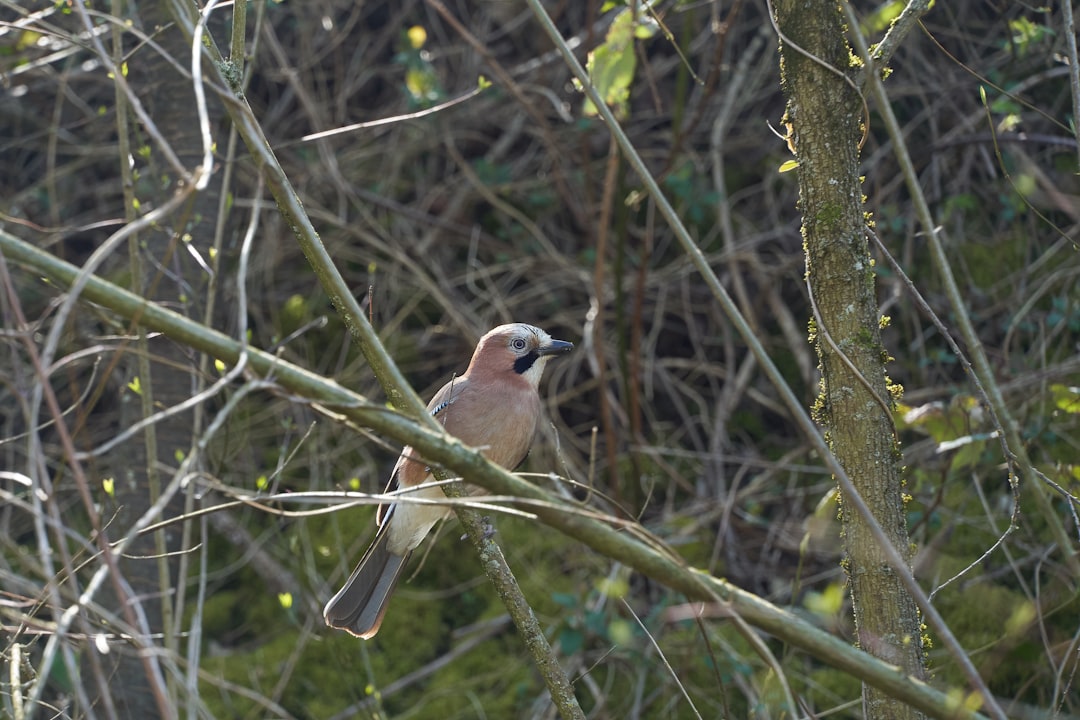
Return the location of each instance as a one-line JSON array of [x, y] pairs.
[[488, 529]]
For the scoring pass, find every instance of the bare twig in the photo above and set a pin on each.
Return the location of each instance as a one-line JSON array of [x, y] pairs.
[[636, 549], [1016, 454], [391, 379], [906, 22], [798, 413], [1074, 68]]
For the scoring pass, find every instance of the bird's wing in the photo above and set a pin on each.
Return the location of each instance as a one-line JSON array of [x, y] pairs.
[[410, 469], [447, 394]]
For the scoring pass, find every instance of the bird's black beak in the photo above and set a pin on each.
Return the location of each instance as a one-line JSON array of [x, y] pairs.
[[556, 347]]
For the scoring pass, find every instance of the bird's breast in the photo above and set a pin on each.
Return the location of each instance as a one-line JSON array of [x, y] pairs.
[[500, 419]]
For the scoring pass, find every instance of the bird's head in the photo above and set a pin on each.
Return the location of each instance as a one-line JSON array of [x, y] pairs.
[[516, 348]]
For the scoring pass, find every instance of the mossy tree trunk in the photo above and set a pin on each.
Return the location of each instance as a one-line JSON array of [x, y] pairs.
[[824, 115]]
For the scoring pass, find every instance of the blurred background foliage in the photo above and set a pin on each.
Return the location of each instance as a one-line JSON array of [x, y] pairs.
[[491, 210]]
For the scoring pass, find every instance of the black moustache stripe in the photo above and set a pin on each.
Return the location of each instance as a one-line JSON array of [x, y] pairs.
[[523, 363]]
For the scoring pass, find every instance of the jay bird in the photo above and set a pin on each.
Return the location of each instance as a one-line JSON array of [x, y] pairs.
[[495, 408]]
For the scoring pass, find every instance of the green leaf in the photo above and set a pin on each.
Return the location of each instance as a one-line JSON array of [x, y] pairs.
[[567, 600], [946, 423], [613, 587], [1026, 34], [827, 603], [882, 18], [27, 39], [570, 642], [423, 85], [294, 312], [58, 675], [646, 27], [611, 65], [1066, 398], [596, 622], [969, 449], [620, 632]]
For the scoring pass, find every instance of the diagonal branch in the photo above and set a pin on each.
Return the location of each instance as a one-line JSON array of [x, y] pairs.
[[394, 384], [904, 23], [798, 414], [635, 548]]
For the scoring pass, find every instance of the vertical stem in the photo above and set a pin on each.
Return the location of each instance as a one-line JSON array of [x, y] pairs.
[[823, 117], [892, 556], [1074, 70], [145, 374], [597, 316]]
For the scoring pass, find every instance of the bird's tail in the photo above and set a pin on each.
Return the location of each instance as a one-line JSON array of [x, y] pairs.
[[359, 606]]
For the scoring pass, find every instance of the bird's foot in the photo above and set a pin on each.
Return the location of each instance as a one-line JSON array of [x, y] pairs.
[[487, 529]]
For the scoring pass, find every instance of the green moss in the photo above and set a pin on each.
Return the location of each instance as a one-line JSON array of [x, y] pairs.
[[829, 218], [865, 338], [827, 687], [984, 628]]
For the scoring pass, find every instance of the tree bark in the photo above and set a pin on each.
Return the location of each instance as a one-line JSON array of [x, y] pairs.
[[824, 114]]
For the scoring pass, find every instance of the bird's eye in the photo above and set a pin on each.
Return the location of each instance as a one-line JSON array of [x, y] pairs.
[[518, 343]]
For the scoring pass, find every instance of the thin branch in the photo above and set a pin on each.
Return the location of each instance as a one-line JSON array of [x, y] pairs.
[[1074, 68], [136, 105], [798, 413], [901, 26], [386, 371], [663, 659], [42, 391], [637, 548], [1016, 455]]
